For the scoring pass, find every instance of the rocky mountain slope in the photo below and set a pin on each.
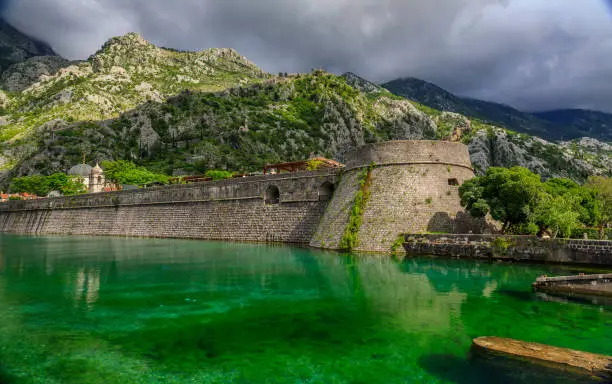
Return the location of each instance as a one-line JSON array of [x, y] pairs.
[[16, 47], [554, 125], [186, 112], [588, 123]]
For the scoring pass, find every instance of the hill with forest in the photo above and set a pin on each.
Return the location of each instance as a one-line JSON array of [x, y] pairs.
[[181, 112]]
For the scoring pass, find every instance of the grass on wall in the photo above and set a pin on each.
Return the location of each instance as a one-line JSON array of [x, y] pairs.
[[350, 238]]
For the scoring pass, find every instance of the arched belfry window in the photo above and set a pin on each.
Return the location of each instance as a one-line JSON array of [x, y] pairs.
[[326, 191], [272, 195]]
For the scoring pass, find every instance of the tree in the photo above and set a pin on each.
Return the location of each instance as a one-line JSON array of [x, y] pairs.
[[601, 186], [126, 172], [43, 185], [219, 175], [556, 214], [73, 186], [583, 200], [525, 205], [509, 195]]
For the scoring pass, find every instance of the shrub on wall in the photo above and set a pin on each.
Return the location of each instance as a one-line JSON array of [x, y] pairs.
[[350, 238]]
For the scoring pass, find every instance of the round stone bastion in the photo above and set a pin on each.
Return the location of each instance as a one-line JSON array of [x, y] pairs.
[[411, 187], [410, 152]]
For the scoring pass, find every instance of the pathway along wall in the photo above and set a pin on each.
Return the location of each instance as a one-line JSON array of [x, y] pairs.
[[413, 187], [277, 208]]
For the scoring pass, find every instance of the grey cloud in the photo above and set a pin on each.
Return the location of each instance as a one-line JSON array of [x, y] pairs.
[[530, 54]]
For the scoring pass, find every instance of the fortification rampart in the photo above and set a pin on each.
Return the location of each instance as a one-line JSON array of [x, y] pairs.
[[279, 208], [412, 187]]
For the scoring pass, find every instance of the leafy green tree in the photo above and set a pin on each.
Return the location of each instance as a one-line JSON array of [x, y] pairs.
[[584, 200], [556, 214], [126, 172], [43, 185], [35, 184], [601, 186], [73, 186], [218, 175], [509, 195], [524, 204]]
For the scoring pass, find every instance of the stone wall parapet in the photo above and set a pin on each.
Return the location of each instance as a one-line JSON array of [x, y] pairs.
[[409, 152], [518, 248], [293, 187]]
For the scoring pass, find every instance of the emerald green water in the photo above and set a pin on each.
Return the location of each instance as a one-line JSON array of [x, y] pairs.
[[110, 310]]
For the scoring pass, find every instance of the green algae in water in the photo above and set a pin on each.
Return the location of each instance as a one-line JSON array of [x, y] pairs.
[[108, 310]]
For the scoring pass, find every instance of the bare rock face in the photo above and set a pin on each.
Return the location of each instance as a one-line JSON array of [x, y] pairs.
[[22, 75], [496, 147], [361, 84], [3, 99]]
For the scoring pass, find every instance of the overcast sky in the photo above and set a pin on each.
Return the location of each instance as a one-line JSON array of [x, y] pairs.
[[531, 54]]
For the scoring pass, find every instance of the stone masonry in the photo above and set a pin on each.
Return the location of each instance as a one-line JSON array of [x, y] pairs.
[[414, 189], [512, 248], [232, 209]]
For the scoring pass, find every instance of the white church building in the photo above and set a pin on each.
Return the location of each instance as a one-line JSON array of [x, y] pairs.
[[93, 178]]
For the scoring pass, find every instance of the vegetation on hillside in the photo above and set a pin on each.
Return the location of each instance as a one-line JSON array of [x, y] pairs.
[[179, 113]]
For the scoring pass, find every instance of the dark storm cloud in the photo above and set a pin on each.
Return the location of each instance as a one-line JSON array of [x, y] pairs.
[[531, 54]]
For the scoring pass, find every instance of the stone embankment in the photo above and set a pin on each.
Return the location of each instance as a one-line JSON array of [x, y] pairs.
[[584, 367], [597, 285], [512, 248]]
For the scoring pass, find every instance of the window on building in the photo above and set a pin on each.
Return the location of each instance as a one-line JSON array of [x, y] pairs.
[[453, 182]]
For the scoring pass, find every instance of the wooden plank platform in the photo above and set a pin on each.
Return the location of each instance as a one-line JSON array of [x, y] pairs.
[[591, 366]]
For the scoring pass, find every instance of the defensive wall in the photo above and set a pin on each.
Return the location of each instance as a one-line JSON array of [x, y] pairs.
[[275, 208], [512, 248], [412, 187]]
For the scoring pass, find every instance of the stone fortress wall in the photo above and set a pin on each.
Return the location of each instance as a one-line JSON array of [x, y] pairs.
[[413, 188], [242, 209]]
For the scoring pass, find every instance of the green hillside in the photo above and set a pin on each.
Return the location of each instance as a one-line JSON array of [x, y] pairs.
[[187, 112]]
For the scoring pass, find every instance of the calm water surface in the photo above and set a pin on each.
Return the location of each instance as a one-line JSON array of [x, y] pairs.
[[109, 310]]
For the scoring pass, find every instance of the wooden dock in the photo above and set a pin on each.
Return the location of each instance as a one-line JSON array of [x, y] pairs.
[[592, 367]]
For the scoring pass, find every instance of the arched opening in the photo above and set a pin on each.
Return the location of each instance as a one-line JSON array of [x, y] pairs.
[[99, 179], [272, 195], [453, 182], [326, 191]]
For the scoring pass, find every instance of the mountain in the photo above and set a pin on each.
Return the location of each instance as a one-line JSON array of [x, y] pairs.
[[16, 47], [185, 112], [588, 123], [556, 125]]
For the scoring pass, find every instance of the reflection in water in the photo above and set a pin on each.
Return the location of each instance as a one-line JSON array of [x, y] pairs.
[[188, 311], [87, 287]]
